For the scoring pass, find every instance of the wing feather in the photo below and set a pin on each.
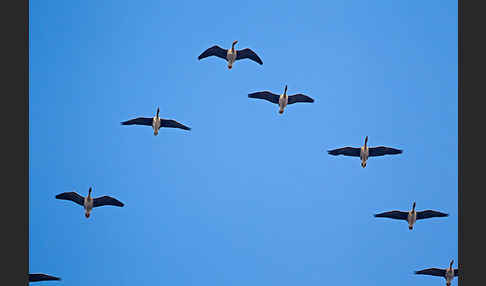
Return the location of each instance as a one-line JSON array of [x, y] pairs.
[[382, 150], [71, 196], [266, 95], [248, 54], [139, 121], [429, 214], [299, 98], [346, 151], [432, 272], [106, 201], [214, 51], [35, 277], [394, 215], [173, 124]]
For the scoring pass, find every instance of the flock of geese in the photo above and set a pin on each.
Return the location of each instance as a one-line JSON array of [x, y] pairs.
[[282, 100]]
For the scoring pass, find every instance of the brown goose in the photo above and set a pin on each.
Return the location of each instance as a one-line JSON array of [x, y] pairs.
[[231, 55]]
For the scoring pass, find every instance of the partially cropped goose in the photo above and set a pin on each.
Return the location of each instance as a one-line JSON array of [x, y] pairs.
[[449, 273], [36, 277], [411, 216], [231, 55], [88, 203]]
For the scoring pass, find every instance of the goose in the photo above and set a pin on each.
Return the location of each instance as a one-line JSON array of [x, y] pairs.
[[364, 152], [36, 277], [88, 202], [411, 216], [449, 273], [282, 100], [156, 122], [231, 55]]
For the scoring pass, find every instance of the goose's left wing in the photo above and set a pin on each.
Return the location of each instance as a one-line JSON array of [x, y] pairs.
[[139, 121], [106, 201], [394, 215], [173, 124], [432, 272], [456, 272], [429, 214], [266, 95], [299, 98], [248, 54], [346, 151], [35, 277], [382, 150]]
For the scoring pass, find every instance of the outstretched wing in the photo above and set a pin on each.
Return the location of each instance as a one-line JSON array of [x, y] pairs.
[[299, 98], [139, 121], [346, 151], [35, 277], [382, 150], [432, 271], [106, 201], [214, 51], [394, 215], [71, 196], [456, 272], [429, 214], [267, 95], [173, 124], [248, 54]]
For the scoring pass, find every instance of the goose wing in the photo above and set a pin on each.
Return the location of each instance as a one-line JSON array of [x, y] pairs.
[[41, 277], [106, 201], [429, 214], [267, 95], [248, 54], [394, 215], [432, 271], [382, 150], [456, 272], [346, 151], [173, 124], [214, 51], [299, 98], [71, 196], [139, 121]]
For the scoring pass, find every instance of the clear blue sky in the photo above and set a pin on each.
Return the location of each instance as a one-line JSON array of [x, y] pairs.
[[248, 196]]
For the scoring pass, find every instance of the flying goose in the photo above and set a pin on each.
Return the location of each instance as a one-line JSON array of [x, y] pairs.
[[364, 152], [282, 100], [412, 216], [88, 202], [36, 277], [231, 55], [449, 273], [156, 122]]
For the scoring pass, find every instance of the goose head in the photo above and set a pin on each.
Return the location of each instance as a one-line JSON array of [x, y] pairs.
[[366, 141], [158, 110], [233, 45], [413, 206]]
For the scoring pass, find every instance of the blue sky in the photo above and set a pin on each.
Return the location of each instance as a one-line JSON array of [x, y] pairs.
[[248, 196]]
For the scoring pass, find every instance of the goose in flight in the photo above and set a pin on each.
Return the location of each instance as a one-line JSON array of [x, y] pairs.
[[36, 277], [231, 55], [282, 100], [156, 122], [411, 216], [88, 202], [364, 152], [449, 273]]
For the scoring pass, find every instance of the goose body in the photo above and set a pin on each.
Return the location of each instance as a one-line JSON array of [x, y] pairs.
[[448, 274], [364, 152], [411, 216], [281, 100], [156, 122], [231, 55], [88, 203]]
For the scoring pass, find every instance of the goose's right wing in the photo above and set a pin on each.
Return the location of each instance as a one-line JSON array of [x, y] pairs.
[[432, 271], [346, 151], [266, 95], [394, 215], [214, 51], [71, 196], [456, 272], [173, 124], [35, 277], [139, 121], [430, 214]]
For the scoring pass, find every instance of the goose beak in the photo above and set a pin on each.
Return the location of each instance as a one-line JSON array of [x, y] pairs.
[[235, 42]]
